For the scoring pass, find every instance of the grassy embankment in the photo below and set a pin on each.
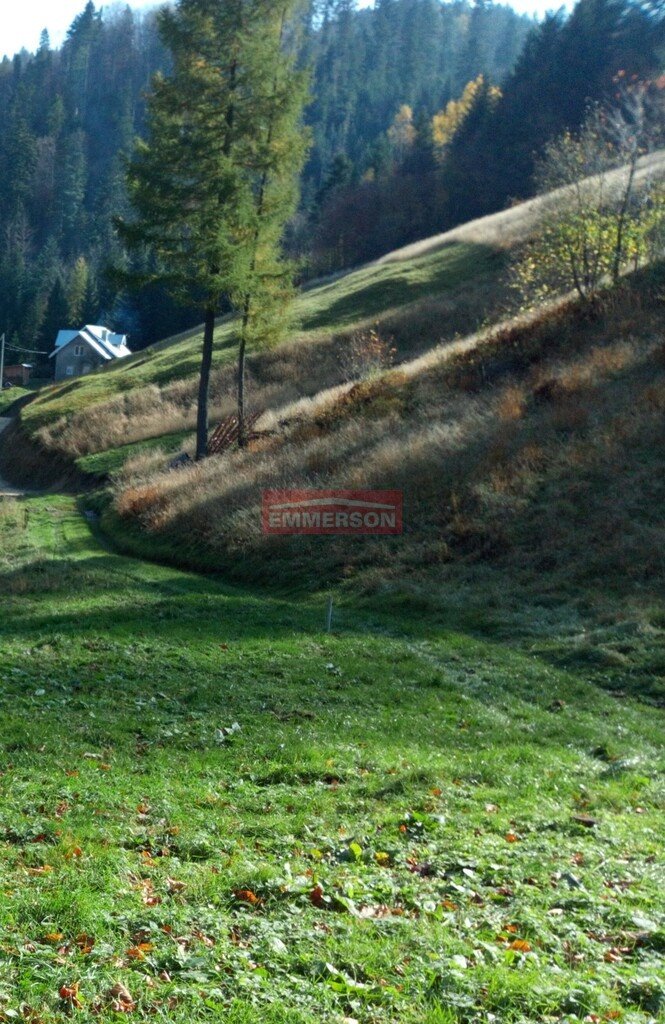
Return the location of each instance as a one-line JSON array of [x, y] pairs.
[[9, 396], [534, 479], [411, 825]]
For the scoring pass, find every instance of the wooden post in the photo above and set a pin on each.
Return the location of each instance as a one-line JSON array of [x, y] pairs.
[[329, 611]]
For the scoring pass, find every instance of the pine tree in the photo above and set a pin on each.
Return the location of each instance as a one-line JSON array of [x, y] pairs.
[[56, 315]]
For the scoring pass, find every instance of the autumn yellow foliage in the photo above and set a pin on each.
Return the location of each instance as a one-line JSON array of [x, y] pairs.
[[447, 122]]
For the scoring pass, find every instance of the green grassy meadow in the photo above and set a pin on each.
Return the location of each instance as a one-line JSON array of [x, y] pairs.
[[409, 823]]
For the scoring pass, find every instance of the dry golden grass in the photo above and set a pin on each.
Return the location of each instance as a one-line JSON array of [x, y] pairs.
[[533, 448], [287, 382], [511, 404]]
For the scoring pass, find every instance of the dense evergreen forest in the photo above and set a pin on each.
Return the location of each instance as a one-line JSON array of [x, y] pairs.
[[423, 114]]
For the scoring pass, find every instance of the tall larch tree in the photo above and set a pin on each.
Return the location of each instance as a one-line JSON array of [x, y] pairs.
[[275, 146], [216, 153]]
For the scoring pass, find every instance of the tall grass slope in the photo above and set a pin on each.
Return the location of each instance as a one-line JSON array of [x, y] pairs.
[[423, 296]]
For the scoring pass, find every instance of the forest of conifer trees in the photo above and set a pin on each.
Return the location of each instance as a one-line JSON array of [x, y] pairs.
[[423, 114]]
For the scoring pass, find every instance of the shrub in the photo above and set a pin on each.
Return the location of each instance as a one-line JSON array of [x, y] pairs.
[[367, 354]]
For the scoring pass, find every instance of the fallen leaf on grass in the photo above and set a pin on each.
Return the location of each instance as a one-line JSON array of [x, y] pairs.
[[425, 870], [505, 891], [139, 952], [316, 896], [511, 837], [43, 869], [173, 886], [85, 943], [247, 896], [616, 954], [379, 912], [70, 994], [54, 937], [520, 945], [237, 939], [121, 999]]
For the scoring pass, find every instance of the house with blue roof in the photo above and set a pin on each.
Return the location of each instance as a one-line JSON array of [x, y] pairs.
[[80, 352]]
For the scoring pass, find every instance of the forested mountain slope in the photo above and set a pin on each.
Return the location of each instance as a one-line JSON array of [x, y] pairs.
[[68, 118], [424, 115]]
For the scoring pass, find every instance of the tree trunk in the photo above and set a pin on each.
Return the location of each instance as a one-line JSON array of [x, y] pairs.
[[621, 220], [204, 385], [242, 347]]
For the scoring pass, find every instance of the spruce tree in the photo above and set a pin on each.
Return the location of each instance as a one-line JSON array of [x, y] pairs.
[[56, 316]]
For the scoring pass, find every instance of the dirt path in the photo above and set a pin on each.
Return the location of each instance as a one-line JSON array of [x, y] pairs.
[[6, 490]]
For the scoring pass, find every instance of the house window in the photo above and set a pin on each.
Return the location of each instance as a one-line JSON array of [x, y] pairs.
[[79, 350], [69, 371]]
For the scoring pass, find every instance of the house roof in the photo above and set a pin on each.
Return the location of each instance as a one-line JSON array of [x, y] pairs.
[[64, 338], [103, 341]]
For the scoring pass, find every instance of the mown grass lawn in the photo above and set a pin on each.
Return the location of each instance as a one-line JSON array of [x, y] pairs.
[[405, 824]]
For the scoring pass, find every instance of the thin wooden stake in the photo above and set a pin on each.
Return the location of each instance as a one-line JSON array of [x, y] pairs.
[[329, 611]]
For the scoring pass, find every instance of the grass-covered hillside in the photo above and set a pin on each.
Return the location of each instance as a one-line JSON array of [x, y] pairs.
[[420, 299], [422, 296], [531, 460], [530, 451]]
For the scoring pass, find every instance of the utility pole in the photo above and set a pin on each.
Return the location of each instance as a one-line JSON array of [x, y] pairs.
[[2, 363]]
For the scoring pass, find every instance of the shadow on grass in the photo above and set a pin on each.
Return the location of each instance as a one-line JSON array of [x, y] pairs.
[[90, 595], [372, 291]]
